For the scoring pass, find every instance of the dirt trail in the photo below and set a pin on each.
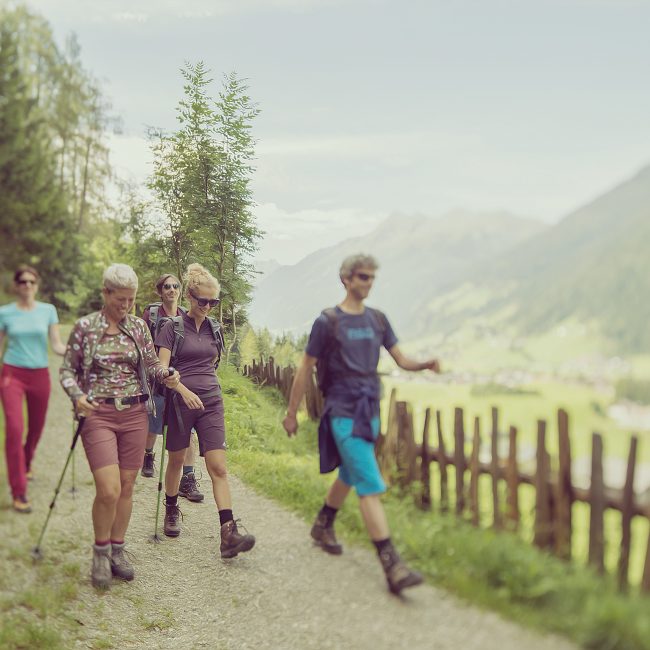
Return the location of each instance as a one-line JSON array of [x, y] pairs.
[[285, 593]]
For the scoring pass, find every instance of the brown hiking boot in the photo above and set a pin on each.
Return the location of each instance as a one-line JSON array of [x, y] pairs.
[[398, 575], [100, 569], [232, 542], [120, 565], [323, 534], [172, 526], [148, 464], [189, 488]]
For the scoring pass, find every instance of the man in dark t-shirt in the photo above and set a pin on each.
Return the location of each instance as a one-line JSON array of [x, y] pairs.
[[345, 343]]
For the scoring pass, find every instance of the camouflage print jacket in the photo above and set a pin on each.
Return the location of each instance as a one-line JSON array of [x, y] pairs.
[[82, 345]]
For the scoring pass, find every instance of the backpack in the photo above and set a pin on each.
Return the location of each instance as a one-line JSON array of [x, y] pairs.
[[179, 337], [323, 374], [156, 320]]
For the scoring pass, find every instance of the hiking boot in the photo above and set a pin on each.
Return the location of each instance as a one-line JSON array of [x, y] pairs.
[[120, 565], [100, 570], [232, 542], [398, 575], [172, 526], [22, 504], [323, 533], [189, 488], [147, 464]]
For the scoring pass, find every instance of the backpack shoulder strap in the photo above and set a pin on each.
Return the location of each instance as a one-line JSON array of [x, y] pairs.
[[179, 335], [332, 321], [217, 332], [380, 320]]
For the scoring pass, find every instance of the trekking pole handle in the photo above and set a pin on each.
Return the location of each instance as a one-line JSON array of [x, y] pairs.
[[170, 371]]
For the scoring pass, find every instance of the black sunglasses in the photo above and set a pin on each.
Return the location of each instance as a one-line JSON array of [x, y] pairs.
[[26, 282], [168, 286], [213, 302], [365, 276]]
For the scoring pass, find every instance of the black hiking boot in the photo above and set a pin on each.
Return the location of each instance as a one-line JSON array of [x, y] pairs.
[[189, 488], [323, 534], [173, 516], [147, 465], [398, 575], [233, 542]]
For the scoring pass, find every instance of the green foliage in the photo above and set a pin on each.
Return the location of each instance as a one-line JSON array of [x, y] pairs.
[[201, 181], [635, 390]]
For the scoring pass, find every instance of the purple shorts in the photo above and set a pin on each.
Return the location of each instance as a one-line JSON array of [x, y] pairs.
[[112, 437], [208, 423]]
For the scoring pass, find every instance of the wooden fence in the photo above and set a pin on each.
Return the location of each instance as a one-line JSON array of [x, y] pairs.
[[404, 461]]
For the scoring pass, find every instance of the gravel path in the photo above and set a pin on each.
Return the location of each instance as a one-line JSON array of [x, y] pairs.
[[285, 593]]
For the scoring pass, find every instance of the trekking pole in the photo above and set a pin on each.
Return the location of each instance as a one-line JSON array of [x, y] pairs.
[[73, 489], [154, 538], [36, 551]]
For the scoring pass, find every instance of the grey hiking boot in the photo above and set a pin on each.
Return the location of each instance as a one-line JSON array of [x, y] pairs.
[[100, 570], [233, 542], [398, 575], [120, 565], [189, 488], [172, 526], [323, 534], [148, 464]]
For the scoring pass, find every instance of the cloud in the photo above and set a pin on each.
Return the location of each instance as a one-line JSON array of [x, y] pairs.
[[289, 236]]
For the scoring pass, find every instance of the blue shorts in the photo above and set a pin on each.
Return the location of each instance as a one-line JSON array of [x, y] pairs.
[[156, 421], [358, 467]]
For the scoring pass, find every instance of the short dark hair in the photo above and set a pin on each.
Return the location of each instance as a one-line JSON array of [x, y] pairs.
[[24, 268], [161, 280]]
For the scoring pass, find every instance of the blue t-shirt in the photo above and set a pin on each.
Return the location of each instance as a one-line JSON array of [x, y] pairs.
[[360, 339], [27, 334]]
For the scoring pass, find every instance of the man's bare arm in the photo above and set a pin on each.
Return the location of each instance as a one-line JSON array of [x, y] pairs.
[[406, 363], [303, 374]]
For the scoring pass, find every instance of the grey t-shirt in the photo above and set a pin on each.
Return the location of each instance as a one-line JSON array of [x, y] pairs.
[[199, 351]]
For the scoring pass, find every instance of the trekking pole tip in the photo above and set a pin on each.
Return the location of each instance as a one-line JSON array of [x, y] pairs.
[[36, 554]]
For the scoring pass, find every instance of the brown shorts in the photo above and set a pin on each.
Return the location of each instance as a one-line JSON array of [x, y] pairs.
[[113, 437]]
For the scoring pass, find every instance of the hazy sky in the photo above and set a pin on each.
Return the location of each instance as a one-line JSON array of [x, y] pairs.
[[370, 107]]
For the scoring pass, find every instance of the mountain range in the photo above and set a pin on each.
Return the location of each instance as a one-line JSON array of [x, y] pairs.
[[439, 273]]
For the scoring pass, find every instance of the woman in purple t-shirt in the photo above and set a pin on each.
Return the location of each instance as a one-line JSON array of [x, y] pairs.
[[198, 404]]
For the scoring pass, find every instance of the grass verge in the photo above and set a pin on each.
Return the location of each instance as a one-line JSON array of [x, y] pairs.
[[498, 571]]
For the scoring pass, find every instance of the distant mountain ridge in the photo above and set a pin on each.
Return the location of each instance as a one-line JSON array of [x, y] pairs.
[[419, 257], [438, 275], [593, 265]]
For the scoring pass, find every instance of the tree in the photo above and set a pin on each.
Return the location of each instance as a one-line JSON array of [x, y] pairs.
[[36, 226]]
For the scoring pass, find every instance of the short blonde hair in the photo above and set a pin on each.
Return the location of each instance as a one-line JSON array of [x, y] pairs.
[[120, 276], [198, 276], [354, 262]]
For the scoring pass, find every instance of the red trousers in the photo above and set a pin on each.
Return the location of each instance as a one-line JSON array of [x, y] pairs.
[[15, 385]]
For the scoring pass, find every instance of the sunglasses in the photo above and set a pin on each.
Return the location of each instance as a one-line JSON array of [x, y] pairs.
[[213, 302], [168, 286], [33, 282], [365, 276]]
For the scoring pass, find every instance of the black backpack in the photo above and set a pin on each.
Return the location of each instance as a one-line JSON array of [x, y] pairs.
[[156, 319], [179, 337], [323, 374]]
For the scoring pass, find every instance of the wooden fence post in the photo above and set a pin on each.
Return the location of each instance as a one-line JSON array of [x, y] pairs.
[[442, 463], [494, 470], [627, 511], [459, 459], [474, 473], [564, 493], [597, 506], [543, 522], [425, 498], [512, 479], [406, 450]]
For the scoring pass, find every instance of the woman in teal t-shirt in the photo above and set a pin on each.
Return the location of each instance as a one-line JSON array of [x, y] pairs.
[[26, 325]]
